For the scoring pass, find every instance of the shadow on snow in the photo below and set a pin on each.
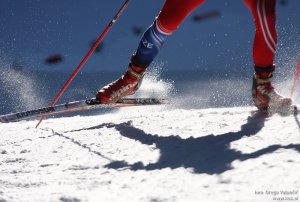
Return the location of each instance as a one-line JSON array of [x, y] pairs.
[[208, 154]]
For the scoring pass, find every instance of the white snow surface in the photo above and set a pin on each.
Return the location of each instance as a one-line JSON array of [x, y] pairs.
[[157, 154]]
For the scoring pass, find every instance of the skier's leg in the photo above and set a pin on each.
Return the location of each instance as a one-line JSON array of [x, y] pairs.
[[264, 48], [169, 19], [265, 41], [171, 16]]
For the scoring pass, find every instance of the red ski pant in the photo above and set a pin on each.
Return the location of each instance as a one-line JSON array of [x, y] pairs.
[[263, 11], [265, 41]]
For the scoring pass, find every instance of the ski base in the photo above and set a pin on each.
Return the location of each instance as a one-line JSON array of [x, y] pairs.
[[79, 106]]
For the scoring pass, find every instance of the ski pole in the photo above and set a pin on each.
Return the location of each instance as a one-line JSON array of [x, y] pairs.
[[295, 78], [109, 26]]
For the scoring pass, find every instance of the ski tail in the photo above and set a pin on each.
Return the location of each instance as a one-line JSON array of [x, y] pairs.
[[79, 106]]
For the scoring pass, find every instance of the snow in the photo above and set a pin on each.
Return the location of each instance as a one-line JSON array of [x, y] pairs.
[[152, 154]]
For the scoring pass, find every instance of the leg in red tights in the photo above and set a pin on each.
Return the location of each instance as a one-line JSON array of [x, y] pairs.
[[264, 16], [264, 48]]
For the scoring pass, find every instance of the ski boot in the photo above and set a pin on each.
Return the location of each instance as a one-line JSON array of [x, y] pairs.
[[127, 84], [265, 97]]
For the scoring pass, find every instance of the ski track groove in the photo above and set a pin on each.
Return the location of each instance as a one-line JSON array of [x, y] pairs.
[[83, 146]]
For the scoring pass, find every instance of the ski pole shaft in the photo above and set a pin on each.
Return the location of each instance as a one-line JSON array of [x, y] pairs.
[[109, 26], [295, 78]]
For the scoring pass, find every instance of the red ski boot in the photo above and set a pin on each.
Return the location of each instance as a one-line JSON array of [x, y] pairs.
[[264, 95], [127, 84]]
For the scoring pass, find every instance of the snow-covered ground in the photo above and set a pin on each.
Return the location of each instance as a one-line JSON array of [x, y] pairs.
[[152, 154]]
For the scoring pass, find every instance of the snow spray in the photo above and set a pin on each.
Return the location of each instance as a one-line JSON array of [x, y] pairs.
[[295, 78], [20, 88], [154, 86]]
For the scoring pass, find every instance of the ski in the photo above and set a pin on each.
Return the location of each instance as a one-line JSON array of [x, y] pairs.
[[287, 111], [79, 106], [292, 110]]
